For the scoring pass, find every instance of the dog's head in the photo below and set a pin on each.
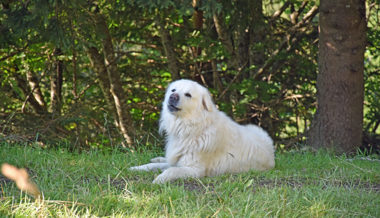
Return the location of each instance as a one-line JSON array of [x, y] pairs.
[[187, 98]]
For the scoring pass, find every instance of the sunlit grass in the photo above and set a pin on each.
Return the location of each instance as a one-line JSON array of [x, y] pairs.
[[96, 183]]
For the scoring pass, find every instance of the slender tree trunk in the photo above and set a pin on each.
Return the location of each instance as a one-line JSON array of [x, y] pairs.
[[338, 122], [167, 43], [116, 89], [241, 34], [257, 34], [29, 97], [75, 74], [97, 63], [224, 36], [197, 15], [56, 80], [217, 84], [243, 44], [197, 25], [35, 88]]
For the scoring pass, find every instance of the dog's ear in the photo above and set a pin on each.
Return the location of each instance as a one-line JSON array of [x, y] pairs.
[[207, 103]]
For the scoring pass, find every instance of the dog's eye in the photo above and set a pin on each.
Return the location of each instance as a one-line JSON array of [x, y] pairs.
[[187, 95], [173, 90]]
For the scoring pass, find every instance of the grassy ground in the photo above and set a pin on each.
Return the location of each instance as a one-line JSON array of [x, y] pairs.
[[94, 183]]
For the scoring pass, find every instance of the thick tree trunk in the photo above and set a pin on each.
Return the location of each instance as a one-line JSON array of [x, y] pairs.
[[338, 122], [56, 80]]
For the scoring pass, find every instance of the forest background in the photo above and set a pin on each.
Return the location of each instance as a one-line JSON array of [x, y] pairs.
[[92, 74]]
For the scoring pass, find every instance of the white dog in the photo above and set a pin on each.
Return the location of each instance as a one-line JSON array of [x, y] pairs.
[[203, 141]]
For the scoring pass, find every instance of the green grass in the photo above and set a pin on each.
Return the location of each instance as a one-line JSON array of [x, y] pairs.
[[95, 183]]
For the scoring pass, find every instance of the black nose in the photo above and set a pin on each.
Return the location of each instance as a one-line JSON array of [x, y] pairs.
[[173, 99]]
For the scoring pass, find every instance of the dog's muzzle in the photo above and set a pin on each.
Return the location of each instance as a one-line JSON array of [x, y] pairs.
[[173, 102]]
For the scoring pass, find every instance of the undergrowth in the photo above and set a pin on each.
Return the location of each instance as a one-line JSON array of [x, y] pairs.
[[97, 183]]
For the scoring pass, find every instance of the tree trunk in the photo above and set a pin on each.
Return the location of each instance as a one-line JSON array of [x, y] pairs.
[[35, 88], [224, 36], [196, 50], [167, 43], [97, 63], [56, 80], [243, 43], [29, 97], [257, 35], [338, 122], [116, 89], [241, 35]]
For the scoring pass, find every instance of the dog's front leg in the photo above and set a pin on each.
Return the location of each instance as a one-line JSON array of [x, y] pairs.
[[158, 160], [151, 167], [173, 173]]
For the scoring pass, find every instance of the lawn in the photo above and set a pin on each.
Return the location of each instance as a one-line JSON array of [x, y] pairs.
[[97, 184]]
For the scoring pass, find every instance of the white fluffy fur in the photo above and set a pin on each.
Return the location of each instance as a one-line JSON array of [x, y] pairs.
[[203, 141]]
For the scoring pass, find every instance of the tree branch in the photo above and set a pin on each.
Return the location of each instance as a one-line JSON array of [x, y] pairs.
[[13, 53], [289, 37], [279, 12]]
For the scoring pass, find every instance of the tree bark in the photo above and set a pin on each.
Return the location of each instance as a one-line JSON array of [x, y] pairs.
[[338, 122], [223, 33], [243, 43], [116, 89], [196, 50], [35, 88], [56, 80], [241, 34], [257, 34], [29, 97], [197, 15], [97, 63], [167, 43]]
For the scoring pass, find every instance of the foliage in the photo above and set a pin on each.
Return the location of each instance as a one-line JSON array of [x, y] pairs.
[[267, 77], [372, 71], [97, 183]]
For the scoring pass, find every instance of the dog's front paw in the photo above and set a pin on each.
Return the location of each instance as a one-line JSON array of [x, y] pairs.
[[135, 168], [160, 179]]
